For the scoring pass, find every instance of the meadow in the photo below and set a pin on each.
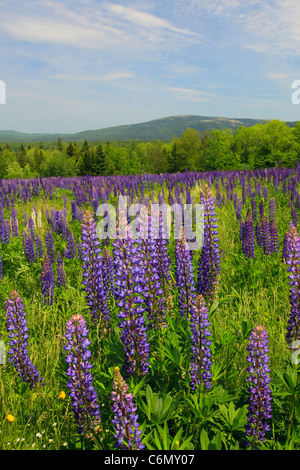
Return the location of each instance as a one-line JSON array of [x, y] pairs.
[[80, 381]]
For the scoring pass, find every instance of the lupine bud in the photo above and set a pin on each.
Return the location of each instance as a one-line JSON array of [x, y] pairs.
[[125, 422]]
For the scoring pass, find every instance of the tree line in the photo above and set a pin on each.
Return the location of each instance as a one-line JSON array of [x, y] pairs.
[[271, 144]]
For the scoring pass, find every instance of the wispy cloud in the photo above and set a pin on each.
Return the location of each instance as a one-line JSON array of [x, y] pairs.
[[190, 94]]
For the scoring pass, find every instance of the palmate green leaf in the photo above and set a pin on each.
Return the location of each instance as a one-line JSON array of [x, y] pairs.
[[158, 407], [233, 419]]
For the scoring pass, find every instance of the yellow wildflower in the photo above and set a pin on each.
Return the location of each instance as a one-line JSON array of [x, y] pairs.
[[10, 418], [62, 395]]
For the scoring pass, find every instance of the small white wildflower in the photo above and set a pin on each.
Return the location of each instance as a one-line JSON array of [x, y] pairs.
[[38, 434]]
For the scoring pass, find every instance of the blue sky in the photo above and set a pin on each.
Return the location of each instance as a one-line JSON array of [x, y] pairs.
[[75, 65]]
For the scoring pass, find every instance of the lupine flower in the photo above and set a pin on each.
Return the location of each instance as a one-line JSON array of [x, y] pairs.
[[47, 279], [28, 246], [152, 290], [96, 294], [294, 216], [259, 410], [292, 258], [201, 355], [266, 236], [209, 262], [185, 279], [71, 250], [5, 232], [14, 223], [80, 379], [108, 271], [125, 422], [18, 332], [248, 242], [129, 283]]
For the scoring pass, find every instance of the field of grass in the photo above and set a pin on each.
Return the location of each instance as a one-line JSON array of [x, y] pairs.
[[251, 291]]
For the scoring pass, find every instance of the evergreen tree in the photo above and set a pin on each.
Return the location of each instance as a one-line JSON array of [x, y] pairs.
[[99, 166]]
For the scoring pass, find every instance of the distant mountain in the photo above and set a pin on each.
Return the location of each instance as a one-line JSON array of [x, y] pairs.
[[158, 129]]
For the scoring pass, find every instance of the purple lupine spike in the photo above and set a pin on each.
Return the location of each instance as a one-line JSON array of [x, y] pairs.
[[127, 432], [5, 232], [108, 271], [129, 284], [274, 237], [152, 290], [185, 279], [209, 261], [47, 280], [292, 258], [28, 246], [96, 294], [294, 216], [261, 208], [71, 250], [266, 236], [31, 227], [61, 275], [80, 379], [200, 368], [50, 245], [248, 242], [14, 223], [259, 410], [18, 332]]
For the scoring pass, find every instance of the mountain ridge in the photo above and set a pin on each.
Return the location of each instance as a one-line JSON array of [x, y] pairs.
[[164, 128]]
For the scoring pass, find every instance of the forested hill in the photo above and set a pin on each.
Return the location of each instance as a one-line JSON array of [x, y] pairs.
[[158, 129]]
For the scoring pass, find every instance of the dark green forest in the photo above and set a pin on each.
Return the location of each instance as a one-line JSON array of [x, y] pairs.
[[260, 146]]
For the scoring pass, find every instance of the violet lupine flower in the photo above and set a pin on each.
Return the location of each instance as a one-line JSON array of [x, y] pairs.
[[259, 410], [71, 250], [5, 232], [47, 279], [125, 422], [14, 223], [96, 294], [266, 236], [201, 355], [248, 243], [108, 271], [209, 261], [28, 246], [80, 379], [16, 324], [185, 279], [152, 290], [129, 284], [294, 216], [292, 258]]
